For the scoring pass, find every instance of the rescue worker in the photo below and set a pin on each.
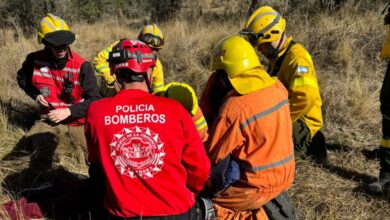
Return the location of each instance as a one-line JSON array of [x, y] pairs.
[[186, 96], [150, 35], [293, 65], [383, 185], [64, 85], [252, 129], [147, 147]]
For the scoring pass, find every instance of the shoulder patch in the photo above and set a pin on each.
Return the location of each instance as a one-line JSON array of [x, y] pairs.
[[302, 69]]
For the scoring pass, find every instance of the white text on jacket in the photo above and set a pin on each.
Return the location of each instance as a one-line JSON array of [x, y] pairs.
[[134, 114]]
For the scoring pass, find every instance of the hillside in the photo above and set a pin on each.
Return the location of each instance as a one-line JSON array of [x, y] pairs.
[[344, 42]]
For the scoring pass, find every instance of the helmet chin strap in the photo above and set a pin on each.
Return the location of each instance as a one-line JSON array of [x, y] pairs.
[[275, 51], [148, 83]]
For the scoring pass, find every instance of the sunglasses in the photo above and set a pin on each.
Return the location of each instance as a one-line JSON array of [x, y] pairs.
[[152, 41], [251, 37]]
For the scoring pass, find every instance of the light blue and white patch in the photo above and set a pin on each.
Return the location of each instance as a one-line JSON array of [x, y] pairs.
[[302, 69]]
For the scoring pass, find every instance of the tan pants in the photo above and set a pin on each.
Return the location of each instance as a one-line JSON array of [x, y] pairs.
[[55, 145]]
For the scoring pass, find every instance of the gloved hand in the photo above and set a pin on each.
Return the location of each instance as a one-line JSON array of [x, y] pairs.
[[109, 78], [232, 173], [225, 173]]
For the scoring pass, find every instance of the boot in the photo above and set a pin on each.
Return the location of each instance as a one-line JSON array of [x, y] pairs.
[[380, 188], [317, 149]]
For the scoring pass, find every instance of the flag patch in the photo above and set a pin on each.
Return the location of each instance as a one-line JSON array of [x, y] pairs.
[[302, 69]]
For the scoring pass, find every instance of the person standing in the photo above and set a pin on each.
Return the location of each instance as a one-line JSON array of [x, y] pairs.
[[383, 185]]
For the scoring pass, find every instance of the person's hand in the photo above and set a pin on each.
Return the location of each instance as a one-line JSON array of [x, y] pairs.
[[58, 115], [41, 101]]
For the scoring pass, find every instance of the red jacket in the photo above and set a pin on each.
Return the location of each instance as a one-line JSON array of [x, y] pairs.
[[42, 74], [150, 151]]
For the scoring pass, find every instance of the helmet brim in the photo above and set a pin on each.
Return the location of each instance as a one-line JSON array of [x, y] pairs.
[[249, 81], [59, 38]]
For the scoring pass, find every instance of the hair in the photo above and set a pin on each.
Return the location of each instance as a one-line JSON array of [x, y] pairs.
[[129, 76]]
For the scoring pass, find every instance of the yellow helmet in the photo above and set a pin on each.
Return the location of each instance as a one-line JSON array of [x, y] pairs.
[[265, 25], [152, 36], [237, 58], [55, 31], [183, 93]]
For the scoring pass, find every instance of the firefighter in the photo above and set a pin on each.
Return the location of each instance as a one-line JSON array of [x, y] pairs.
[[147, 147], [64, 85], [293, 65], [250, 145], [150, 35], [186, 96], [383, 185]]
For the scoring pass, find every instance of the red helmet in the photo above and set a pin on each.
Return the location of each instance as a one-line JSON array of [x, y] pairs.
[[131, 54]]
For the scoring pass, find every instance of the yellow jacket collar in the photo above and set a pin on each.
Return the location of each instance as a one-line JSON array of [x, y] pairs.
[[285, 46]]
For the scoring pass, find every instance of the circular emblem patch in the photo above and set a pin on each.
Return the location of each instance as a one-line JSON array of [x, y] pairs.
[[44, 91], [137, 152]]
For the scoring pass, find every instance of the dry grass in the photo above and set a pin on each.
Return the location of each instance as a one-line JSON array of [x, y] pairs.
[[344, 45]]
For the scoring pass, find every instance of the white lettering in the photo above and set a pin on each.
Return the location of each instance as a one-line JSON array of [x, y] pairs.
[[134, 108], [107, 120], [134, 119], [162, 119], [155, 118], [115, 119], [147, 118], [124, 119], [139, 118]]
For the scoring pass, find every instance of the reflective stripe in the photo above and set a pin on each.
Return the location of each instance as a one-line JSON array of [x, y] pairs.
[[42, 63], [106, 52], [385, 143], [267, 166], [386, 117], [269, 26], [62, 23], [262, 114], [71, 70], [50, 25], [149, 29], [260, 16], [103, 68], [303, 81], [157, 85], [57, 104], [47, 75], [200, 123]]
